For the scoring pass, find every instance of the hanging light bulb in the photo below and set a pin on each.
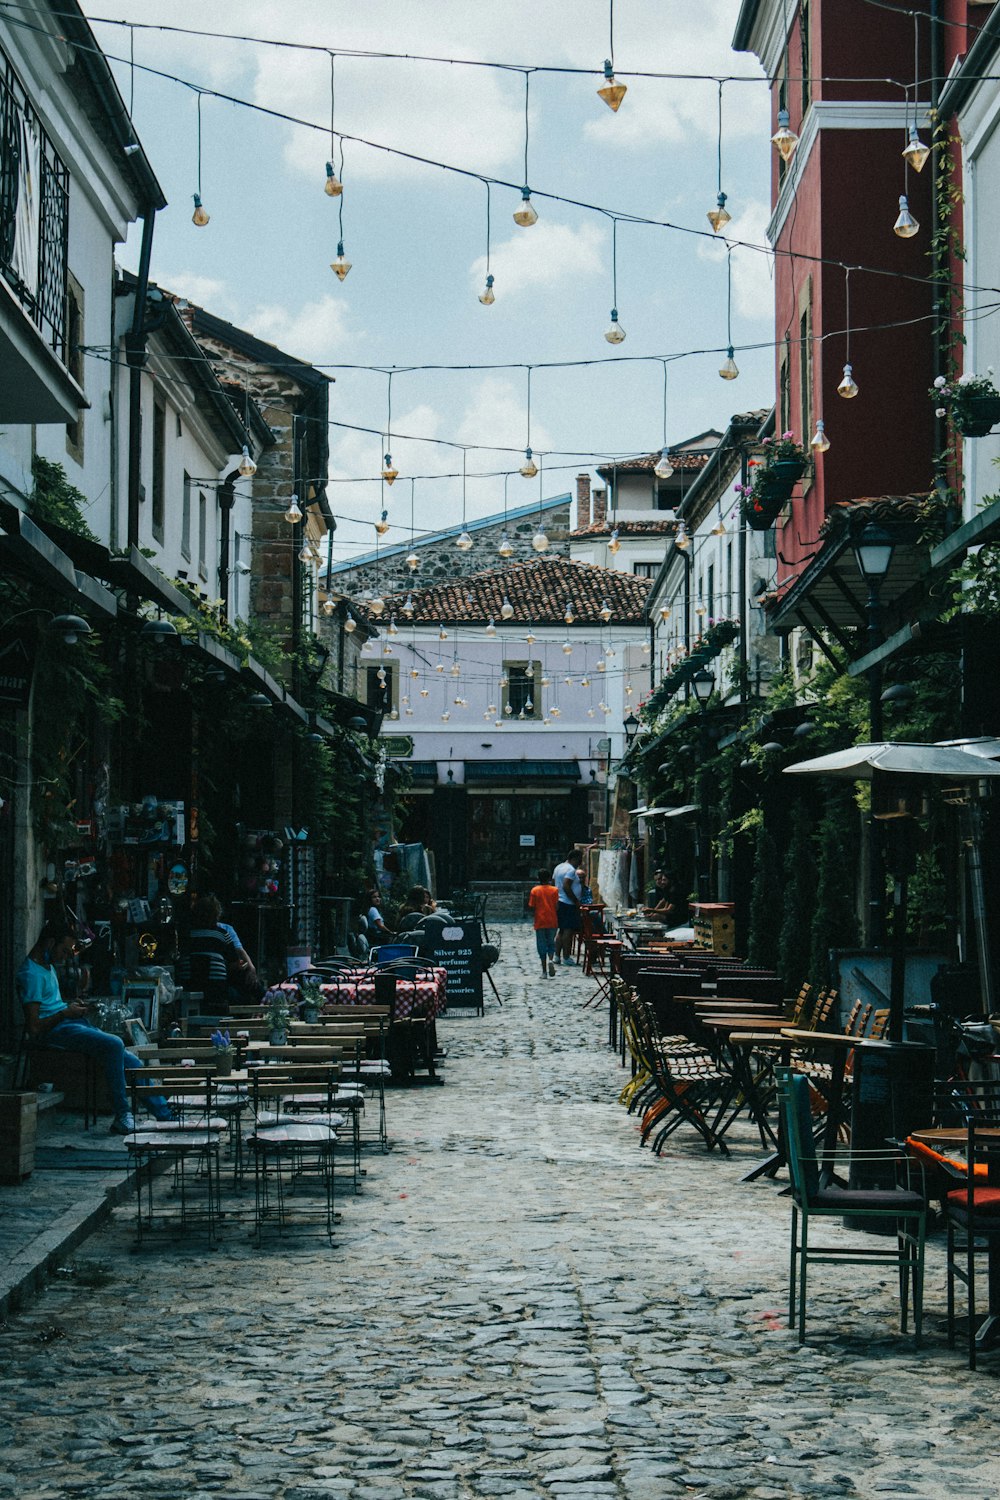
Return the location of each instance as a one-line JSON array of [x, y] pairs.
[[568, 681], [504, 680], [487, 297], [332, 187], [340, 265], [530, 636], [601, 667], [525, 215], [529, 468], [382, 524], [555, 711], [424, 692], [377, 604], [505, 548], [463, 541], [664, 468], [409, 606], [719, 216], [328, 606], [569, 616], [389, 474], [605, 611], [199, 217], [412, 561], [521, 714], [906, 225], [628, 689], [611, 91], [614, 541], [546, 719], [305, 555], [247, 467], [546, 680], [567, 647], [439, 666], [442, 633], [664, 612], [529, 706], [387, 650], [506, 609], [847, 387], [445, 717], [585, 681], [380, 674], [645, 648], [616, 333], [491, 628], [700, 609], [819, 442], [729, 369], [508, 709], [590, 713], [610, 651], [719, 529], [455, 670], [392, 626], [293, 514], [682, 540], [915, 152], [784, 138], [408, 711], [414, 673], [350, 625], [540, 541], [491, 708]]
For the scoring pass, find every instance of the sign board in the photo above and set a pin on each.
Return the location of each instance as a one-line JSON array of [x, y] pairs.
[[16, 663], [397, 746], [527, 841], [458, 950]]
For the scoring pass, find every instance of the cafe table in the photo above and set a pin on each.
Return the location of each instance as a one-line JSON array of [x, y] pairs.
[[751, 1089]]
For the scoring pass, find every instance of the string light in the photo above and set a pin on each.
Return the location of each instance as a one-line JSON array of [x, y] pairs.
[[486, 296], [293, 514], [505, 549], [906, 225], [915, 152], [729, 369], [340, 265], [525, 215], [506, 609], [382, 524], [718, 216], [200, 218], [784, 139], [463, 541], [333, 187], [540, 541], [819, 441], [529, 468], [616, 333], [247, 467], [530, 637], [389, 474], [612, 92], [614, 541], [847, 387], [491, 628], [682, 541], [605, 611], [664, 468], [412, 561], [328, 607], [719, 529], [350, 625], [569, 616]]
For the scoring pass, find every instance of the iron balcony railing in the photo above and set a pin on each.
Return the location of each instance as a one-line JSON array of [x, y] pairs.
[[34, 213]]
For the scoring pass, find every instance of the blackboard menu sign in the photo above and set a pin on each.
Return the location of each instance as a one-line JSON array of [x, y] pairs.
[[459, 951]]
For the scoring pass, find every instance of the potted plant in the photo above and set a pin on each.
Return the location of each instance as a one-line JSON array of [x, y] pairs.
[[761, 502], [972, 401], [223, 1046], [277, 1016], [310, 1000], [785, 460]]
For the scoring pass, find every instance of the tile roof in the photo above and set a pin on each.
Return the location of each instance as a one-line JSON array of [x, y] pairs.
[[681, 457], [873, 508], [626, 528], [539, 590]]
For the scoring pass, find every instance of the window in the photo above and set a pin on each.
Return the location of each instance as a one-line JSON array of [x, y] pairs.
[[710, 591], [806, 54], [186, 519], [159, 468], [731, 608], [645, 569], [74, 360], [523, 692], [379, 695], [202, 534], [805, 365], [784, 392]]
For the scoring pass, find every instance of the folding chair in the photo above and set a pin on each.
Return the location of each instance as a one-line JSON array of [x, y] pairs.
[[191, 1144], [293, 1158]]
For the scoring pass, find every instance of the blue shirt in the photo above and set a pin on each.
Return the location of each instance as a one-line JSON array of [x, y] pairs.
[[37, 985]]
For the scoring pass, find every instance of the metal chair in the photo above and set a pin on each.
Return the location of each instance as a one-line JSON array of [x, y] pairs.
[[816, 1194], [191, 1144]]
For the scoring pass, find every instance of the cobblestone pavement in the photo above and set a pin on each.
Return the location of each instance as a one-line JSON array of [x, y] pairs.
[[522, 1302]]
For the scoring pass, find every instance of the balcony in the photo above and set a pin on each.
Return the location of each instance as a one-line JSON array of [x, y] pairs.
[[35, 383]]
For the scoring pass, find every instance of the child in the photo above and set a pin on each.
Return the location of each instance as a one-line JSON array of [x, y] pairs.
[[542, 901]]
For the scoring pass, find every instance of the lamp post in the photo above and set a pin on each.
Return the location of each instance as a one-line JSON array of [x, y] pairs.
[[703, 683], [873, 551], [630, 724]]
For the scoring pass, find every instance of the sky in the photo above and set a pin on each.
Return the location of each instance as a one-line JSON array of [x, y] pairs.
[[416, 234]]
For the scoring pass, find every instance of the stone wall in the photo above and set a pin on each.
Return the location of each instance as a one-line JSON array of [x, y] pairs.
[[442, 560]]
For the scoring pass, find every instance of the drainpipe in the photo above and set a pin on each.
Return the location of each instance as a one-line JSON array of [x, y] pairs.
[[135, 355], [227, 499]]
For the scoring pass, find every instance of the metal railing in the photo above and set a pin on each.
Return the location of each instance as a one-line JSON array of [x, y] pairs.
[[34, 213]]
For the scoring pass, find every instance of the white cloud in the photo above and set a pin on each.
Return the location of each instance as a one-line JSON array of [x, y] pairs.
[[317, 331], [544, 255], [496, 413], [753, 268], [209, 292]]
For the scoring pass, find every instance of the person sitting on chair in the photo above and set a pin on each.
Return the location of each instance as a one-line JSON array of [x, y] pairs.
[[378, 932], [52, 1023], [210, 955]]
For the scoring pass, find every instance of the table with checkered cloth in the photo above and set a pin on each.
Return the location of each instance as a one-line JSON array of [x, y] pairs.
[[427, 993]]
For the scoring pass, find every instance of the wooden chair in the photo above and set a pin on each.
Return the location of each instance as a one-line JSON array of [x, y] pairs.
[[816, 1195]]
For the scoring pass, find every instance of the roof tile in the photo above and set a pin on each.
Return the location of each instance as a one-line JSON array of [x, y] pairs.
[[539, 590]]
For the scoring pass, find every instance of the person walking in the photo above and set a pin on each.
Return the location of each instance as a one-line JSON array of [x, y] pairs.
[[543, 899], [568, 915]]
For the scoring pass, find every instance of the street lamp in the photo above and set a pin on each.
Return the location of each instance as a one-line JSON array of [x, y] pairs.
[[703, 683], [631, 726], [873, 551]]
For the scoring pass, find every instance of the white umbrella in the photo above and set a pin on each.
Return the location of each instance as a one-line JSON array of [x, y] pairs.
[[860, 762]]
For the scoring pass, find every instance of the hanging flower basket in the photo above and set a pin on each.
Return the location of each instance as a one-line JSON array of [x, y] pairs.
[[788, 470], [972, 401]]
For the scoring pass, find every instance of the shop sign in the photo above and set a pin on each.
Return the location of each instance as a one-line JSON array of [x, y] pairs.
[[527, 841], [16, 666], [397, 746]]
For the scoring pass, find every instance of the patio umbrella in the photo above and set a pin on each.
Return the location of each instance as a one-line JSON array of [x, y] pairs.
[[943, 761]]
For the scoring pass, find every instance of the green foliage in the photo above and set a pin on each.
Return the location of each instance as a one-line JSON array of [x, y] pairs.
[[71, 696], [765, 901], [55, 500], [798, 897], [927, 897], [975, 586], [834, 918]]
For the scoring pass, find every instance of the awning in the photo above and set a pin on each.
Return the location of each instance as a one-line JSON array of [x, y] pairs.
[[425, 771], [537, 772], [905, 759]]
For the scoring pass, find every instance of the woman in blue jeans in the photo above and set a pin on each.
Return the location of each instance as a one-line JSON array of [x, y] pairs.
[[50, 1022]]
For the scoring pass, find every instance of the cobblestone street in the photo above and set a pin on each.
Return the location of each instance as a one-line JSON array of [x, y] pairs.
[[521, 1303]]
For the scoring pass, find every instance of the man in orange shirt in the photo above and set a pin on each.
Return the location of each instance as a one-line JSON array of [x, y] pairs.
[[542, 901]]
